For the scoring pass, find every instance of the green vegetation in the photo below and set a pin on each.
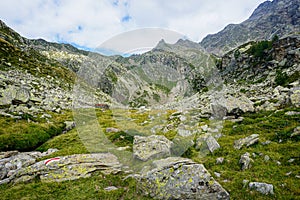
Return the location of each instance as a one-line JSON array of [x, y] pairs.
[[28, 133], [274, 126], [283, 79], [258, 50], [88, 188], [32, 62]]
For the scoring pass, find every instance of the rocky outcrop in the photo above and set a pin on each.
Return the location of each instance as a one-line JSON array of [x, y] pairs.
[[13, 161], [154, 146], [280, 17], [180, 178], [23, 167]]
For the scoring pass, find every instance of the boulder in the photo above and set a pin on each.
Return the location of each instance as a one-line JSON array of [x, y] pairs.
[[22, 96], [8, 95], [180, 178], [218, 111], [248, 141], [153, 146], [234, 106], [263, 188], [184, 133], [245, 161], [206, 143], [295, 97], [65, 168]]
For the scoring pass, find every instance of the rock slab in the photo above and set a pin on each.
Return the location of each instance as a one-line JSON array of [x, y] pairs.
[[180, 178], [248, 141], [154, 146]]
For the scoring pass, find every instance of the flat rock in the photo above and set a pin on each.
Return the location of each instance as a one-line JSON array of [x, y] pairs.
[[65, 168], [153, 146], [248, 141], [263, 188], [180, 178]]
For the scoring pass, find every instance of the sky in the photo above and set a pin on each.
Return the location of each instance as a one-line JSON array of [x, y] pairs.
[[90, 23]]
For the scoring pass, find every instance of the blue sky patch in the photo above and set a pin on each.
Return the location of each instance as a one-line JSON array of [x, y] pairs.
[[126, 18]]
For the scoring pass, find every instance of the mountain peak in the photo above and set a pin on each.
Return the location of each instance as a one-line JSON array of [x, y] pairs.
[[277, 17]]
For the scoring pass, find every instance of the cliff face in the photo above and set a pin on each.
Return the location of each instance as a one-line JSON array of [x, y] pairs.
[[279, 17]]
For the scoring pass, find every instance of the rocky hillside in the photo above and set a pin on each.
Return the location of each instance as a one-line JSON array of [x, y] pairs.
[[277, 17], [173, 123]]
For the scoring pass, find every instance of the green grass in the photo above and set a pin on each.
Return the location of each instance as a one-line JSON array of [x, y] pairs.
[[26, 135], [268, 125], [32, 62], [88, 188], [273, 126]]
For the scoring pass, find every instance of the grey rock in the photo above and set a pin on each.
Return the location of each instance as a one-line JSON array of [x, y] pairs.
[[49, 152], [180, 178], [218, 111], [263, 188], [266, 142], [69, 167], [206, 143], [212, 144], [112, 130], [236, 106], [295, 97], [289, 173], [183, 132], [153, 146], [220, 160], [22, 96], [266, 158], [3, 172], [296, 132], [218, 175], [291, 113], [248, 141], [69, 125], [111, 188], [245, 161]]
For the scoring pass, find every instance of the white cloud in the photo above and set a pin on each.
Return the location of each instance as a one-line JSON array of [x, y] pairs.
[[89, 23]]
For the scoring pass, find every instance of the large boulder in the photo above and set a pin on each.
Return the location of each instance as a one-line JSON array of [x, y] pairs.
[[232, 105], [57, 169], [153, 146], [22, 96], [180, 178], [8, 95]]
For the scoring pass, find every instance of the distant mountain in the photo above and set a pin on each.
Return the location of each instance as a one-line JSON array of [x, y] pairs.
[[277, 17]]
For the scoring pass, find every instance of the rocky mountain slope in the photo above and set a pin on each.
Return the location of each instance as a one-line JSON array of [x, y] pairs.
[[164, 116], [277, 17]]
